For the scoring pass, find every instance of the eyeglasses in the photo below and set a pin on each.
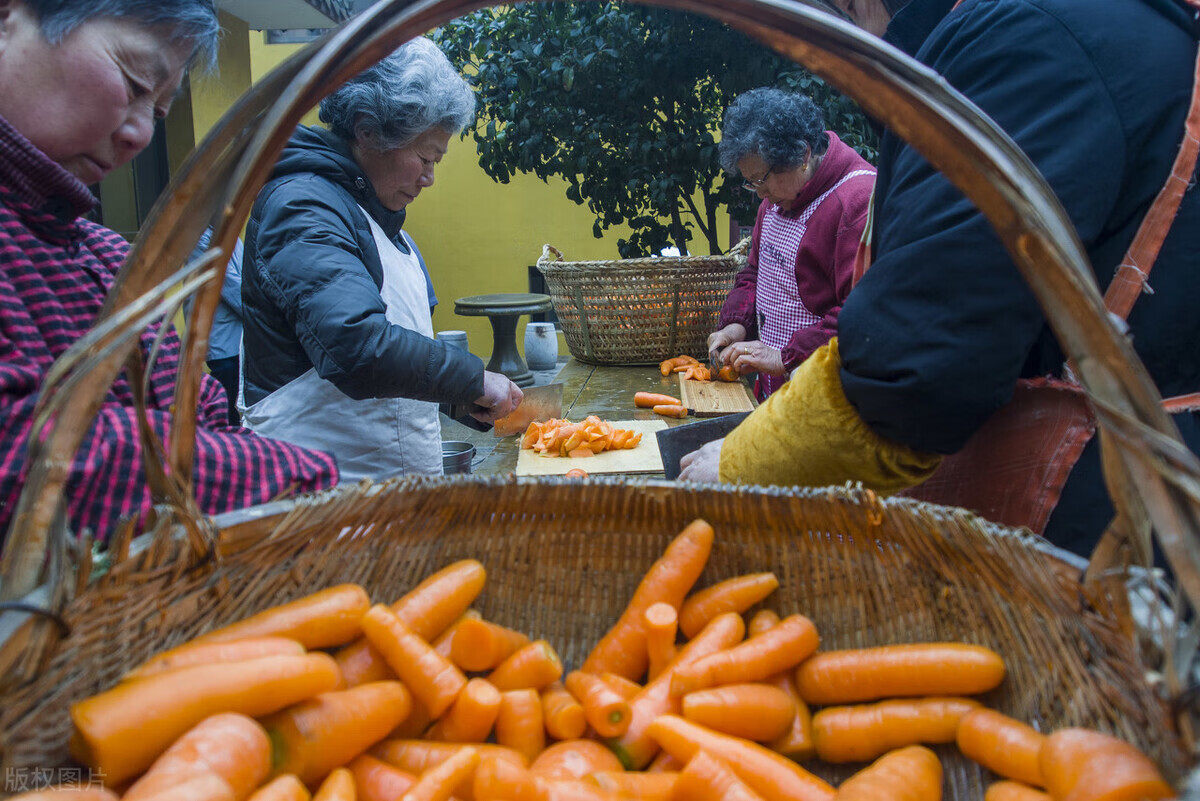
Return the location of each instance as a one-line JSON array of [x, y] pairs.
[[755, 185]]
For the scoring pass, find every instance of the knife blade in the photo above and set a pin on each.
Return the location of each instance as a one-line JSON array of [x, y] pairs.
[[538, 404]]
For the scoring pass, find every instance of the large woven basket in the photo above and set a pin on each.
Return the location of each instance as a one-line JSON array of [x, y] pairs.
[[563, 557], [639, 311]]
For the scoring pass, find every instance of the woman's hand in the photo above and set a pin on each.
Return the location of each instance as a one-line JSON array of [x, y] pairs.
[[500, 396], [703, 464], [754, 357], [718, 341]]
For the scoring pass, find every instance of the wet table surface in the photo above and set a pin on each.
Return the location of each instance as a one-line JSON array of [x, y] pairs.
[[606, 392]]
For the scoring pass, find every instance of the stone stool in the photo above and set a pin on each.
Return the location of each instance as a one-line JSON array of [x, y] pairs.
[[503, 309]]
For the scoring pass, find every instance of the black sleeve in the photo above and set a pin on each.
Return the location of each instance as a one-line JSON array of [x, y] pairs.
[[313, 269]]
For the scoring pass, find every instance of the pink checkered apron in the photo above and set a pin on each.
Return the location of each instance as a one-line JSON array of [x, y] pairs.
[[781, 310]]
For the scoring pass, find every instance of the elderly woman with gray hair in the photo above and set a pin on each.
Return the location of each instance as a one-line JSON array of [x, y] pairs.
[[338, 342], [815, 192]]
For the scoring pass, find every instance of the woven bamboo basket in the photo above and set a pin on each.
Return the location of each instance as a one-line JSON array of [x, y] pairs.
[[639, 311], [563, 557]]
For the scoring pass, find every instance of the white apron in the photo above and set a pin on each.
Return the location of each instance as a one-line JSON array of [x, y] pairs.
[[377, 438]]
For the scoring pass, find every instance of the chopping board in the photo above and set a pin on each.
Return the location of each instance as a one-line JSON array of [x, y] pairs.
[[645, 458], [714, 398]]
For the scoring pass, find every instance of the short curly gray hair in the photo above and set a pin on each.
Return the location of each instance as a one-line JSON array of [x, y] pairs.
[[406, 94], [782, 128]]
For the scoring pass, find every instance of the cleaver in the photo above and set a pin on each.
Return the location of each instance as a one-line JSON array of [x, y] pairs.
[[538, 404], [678, 441]]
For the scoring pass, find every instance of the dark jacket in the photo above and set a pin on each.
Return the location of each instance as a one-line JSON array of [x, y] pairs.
[[311, 282], [937, 333]]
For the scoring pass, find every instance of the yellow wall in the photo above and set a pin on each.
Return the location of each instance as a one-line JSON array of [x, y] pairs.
[[477, 236]]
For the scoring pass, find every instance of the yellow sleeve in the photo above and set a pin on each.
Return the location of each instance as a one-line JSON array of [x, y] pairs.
[[808, 434]]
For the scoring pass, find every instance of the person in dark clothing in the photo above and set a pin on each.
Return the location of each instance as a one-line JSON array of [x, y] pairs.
[[934, 338], [338, 340]]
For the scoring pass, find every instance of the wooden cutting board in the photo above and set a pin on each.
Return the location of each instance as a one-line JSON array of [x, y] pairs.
[[714, 398], [645, 458]]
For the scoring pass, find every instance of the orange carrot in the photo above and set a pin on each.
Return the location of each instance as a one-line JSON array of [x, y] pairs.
[[428, 675], [561, 713], [660, 622], [231, 747], [732, 595], [621, 685], [768, 774], [664, 762], [648, 400], [121, 731], [797, 743], [415, 725], [754, 711], [1013, 791], [375, 780], [667, 366], [519, 724], [418, 756], [867, 674], [573, 759], [606, 710], [908, 774], [500, 780], [635, 747], [444, 642], [67, 793], [321, 620], [671, 410], [623, 649], [775, 650], [428, 609], [203, 653], [313, 737], [1001, 744], [763, 620], [338, 786], [571, 790], [282, 788], [470, 718], [576, 472], [1082, 765], [440, 781], [635, 784], [707, 778], [533, 666], [862, 733], [728, 373]]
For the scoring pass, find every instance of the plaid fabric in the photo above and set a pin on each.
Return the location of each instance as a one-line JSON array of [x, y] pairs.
[[55, 271]]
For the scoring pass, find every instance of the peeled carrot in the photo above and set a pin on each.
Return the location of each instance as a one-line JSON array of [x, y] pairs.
[[576, 472], [428, 675], [573, 759], [471, 717], [338, 786], [415, 725], [312, 738], [418, 756], [728, 373], [667, 366], [635, 747], [500, 780], [635, 784], [648, 400], [862, 733], [519, 724], [736, 594], [867, 674], [121, 731], [67, 793], [232, 748], [1013, 791], [623, 649], [773, 777], [428, 609], [204, 653], [623, 686], [908, 774], [376, 780], [606, 710], [763, 620], [444, 642], [1082, 765], [754, 711], [661, 623], [1001, 744], [321, 620], [561, 713], [797, 742], [671, 410], [282, 788], [440, 781], [708, 778], [777, 649], [664, 762], [533, 666]]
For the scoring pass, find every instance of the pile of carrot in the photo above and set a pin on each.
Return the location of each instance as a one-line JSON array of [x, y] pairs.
[[558, 437], [693, 370], [687, 697]]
